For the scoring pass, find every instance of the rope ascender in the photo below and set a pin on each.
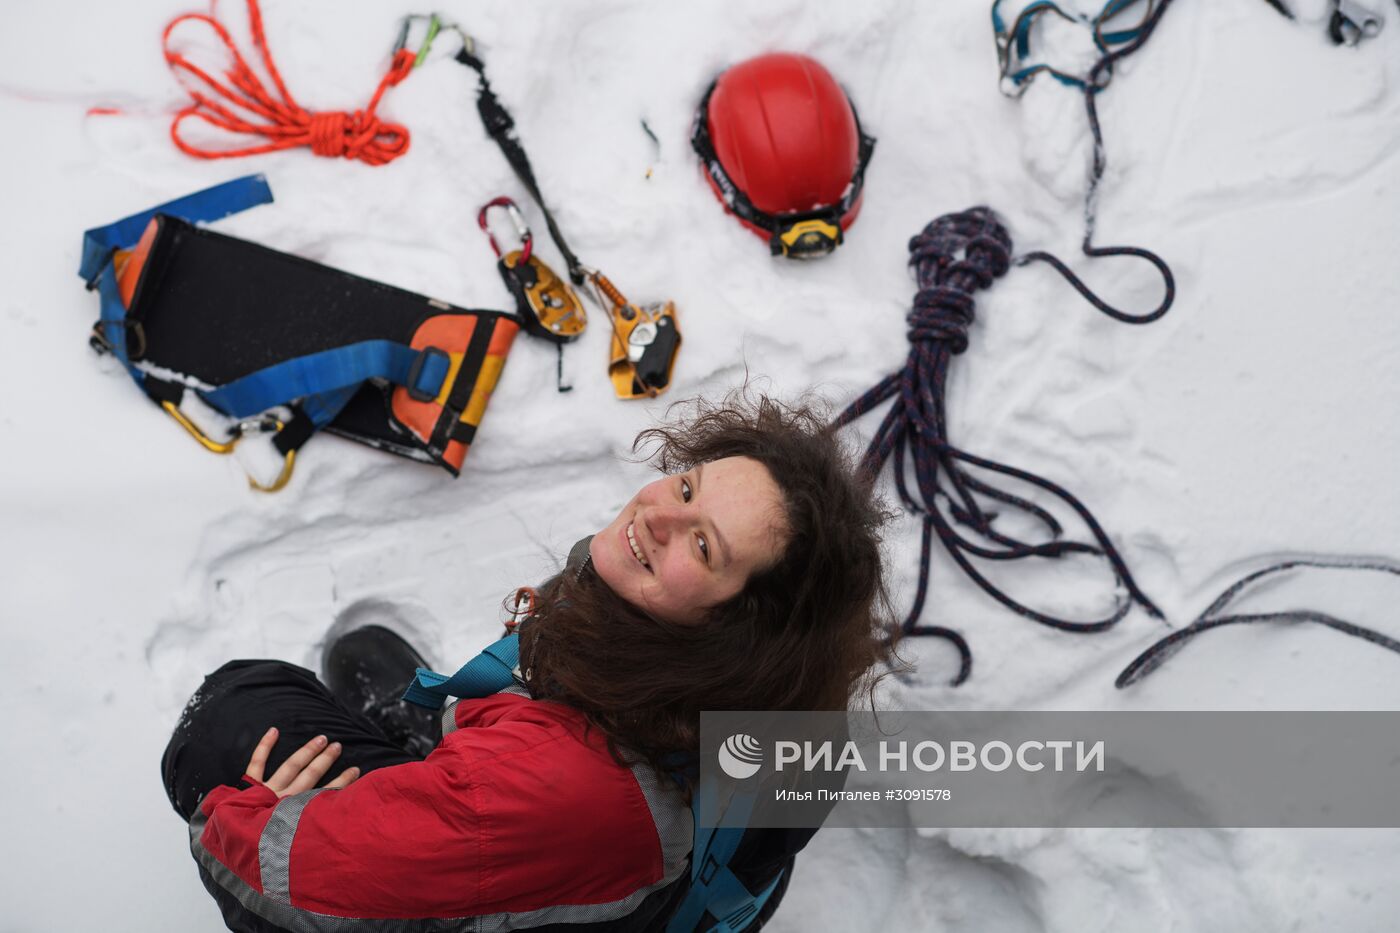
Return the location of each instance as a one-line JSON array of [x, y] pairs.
[[279, 120], [953, 257]]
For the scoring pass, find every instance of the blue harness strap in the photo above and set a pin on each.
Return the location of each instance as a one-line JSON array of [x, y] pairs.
[[201, 207], [714, 888], [97, 270], [329, 374], [112, 321], [487, 673], [323, 408]]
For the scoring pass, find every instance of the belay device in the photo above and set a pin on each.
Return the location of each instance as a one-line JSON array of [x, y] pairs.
[[546, 303], [646, 337], [283, 345]]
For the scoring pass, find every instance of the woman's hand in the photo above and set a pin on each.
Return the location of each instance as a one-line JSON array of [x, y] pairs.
[[303, 770]]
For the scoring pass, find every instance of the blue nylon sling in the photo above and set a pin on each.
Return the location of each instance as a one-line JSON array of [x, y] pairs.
[[204, 206], [331, 371], [713, 885], [487, 673], [1021, 39]]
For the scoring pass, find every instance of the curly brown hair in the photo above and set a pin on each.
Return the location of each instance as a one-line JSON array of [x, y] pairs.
[[804, 634]]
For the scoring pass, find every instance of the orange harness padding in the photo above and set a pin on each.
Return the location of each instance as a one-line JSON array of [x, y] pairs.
[[332, 133]]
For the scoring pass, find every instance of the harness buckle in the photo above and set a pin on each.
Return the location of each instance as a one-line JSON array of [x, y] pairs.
[[100, 342], [415, 372], [708, 870]]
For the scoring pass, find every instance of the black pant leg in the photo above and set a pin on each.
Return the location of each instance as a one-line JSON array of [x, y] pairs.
[[234, 708]]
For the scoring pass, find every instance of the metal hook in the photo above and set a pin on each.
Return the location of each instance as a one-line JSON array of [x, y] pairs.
[[103, 344], [1351, 22], [436, 25], [518, 219], [264, 425]]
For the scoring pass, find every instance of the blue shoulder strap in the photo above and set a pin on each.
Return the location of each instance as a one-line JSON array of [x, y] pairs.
[[714, 888], [489, 672]]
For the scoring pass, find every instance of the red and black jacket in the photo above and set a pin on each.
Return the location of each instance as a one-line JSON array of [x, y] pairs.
[[518, 820]]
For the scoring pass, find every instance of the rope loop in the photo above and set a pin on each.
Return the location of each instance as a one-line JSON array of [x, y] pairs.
[[241, 103]]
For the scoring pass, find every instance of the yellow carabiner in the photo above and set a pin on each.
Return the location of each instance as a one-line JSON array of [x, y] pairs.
[[283, 478], [227, 447], [205, 441]]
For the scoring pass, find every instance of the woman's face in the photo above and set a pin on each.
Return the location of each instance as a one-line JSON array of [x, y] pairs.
[[690, 541]]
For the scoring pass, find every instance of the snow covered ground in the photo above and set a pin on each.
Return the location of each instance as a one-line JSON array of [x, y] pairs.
[[1257, 419]]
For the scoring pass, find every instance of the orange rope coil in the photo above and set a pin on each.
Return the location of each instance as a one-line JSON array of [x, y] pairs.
[[331, 133]]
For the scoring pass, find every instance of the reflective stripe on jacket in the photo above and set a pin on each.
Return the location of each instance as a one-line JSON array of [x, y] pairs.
[[517, 820]]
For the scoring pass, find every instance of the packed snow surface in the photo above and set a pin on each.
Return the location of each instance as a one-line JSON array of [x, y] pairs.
[[1257, 419]]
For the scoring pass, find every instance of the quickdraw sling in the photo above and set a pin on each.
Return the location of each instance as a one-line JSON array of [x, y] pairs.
[[1013, 51], [285, 346]]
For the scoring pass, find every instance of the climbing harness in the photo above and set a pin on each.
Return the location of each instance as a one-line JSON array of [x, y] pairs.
[[714, 889], [546, 303], [1013, 51], [641, 333], [285, 123], [283, 346], [782, 147], [953, 257], [1162, 650]]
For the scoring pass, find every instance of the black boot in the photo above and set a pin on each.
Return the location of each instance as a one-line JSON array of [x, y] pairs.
[[368, 669]]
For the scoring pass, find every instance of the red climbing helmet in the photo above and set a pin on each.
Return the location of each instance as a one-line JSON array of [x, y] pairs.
[[783, 149]]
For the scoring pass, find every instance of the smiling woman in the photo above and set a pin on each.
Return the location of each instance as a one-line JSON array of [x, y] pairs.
[[747, 577], [689, 542]]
